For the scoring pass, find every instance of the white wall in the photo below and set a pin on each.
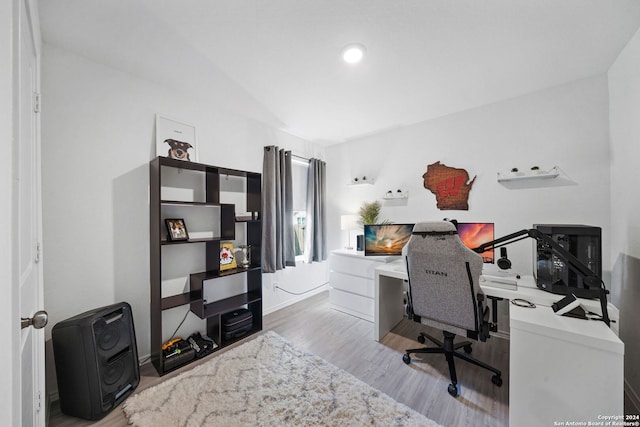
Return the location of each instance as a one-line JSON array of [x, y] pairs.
[[624, 87], [565, 126], [624, 93], [97, 140]]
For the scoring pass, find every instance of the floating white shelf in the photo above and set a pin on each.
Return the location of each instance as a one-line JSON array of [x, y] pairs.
[[398, 194], [554, 172], [362, 181]]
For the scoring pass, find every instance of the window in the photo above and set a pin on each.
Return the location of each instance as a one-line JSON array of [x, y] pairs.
[[299, 169]]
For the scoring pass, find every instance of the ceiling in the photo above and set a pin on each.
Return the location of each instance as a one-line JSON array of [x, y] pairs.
[[279, 60]]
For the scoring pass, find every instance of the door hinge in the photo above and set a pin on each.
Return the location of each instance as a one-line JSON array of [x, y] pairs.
[[36, 102], [37, 257], [38, 402]]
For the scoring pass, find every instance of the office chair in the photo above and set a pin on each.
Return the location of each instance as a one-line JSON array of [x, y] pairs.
[[444, 293]]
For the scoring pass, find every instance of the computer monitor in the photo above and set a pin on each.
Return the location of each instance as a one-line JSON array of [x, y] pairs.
[[473, 234], [386, 239]]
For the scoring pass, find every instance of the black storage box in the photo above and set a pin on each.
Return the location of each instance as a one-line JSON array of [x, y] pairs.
[[178, 355], [236, 323]]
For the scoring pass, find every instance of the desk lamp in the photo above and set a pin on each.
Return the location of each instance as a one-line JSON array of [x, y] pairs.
[[589, 278], [348, 223]]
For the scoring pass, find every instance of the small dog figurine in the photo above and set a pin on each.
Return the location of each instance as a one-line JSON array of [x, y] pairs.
[[179, 149]]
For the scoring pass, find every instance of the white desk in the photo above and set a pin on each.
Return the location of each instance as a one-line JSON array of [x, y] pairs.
[[387, 291], [561, 369]]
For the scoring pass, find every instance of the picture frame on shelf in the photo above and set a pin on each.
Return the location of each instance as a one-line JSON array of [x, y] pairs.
[[175, 139], [227, 256], [176, 229]]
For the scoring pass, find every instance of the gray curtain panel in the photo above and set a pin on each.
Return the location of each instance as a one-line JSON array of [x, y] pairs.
[[277, 206], [316, 238]]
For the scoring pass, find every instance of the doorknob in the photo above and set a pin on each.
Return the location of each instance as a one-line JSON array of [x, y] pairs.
[[38, 321]]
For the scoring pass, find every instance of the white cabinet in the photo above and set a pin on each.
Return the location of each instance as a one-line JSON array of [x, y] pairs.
[[562, 369], [352, 282]]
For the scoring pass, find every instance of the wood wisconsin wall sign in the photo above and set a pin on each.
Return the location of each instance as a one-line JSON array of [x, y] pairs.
[[451, 186]]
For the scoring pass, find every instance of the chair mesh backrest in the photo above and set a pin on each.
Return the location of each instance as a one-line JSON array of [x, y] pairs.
[[438, 276]]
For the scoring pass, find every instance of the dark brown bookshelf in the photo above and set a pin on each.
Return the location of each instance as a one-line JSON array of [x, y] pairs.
[[250, 298], [179, 202], [204, 311], [186, 242], [176, 300]]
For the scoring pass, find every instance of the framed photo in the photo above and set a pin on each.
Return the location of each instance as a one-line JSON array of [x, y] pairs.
[[175, 139], [176, 229], [227, 256]]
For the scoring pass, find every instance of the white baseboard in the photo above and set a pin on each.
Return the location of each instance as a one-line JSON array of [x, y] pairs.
[[633, 397], [49, 400], [295, 299], [501, 334], [146, 358]]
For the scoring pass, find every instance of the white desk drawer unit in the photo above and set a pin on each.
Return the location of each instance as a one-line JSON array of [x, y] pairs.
[[352, 282]]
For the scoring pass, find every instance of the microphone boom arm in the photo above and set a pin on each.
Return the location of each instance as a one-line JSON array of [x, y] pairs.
[[591, 279]]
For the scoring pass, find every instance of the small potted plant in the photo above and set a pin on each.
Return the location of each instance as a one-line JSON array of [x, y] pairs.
[[370, 213]]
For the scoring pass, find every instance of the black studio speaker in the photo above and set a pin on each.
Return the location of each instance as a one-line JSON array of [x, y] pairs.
[[96, 360]]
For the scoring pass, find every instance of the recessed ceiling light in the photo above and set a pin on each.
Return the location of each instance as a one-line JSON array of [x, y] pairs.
[[353, 53]]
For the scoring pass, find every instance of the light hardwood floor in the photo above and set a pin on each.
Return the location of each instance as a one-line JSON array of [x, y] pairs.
[[347, 342]]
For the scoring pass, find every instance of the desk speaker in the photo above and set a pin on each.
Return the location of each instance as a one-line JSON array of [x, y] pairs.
[[96, 360]]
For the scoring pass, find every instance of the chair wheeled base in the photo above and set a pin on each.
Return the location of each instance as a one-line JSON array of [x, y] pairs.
[[449, 349]]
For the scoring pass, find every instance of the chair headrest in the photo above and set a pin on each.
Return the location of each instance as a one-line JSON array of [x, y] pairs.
[[434, 227]]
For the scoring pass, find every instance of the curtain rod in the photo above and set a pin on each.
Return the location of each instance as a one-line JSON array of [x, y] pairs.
[[292, 155], [300, 157]]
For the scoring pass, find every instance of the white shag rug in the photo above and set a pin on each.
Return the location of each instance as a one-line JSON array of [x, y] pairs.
[[267, 381]]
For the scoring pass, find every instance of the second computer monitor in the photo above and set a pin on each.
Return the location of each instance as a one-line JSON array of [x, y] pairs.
[[473, 234]]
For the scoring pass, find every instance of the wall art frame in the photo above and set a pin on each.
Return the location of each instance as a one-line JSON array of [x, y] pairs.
[[176, 229], [175, 139]]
